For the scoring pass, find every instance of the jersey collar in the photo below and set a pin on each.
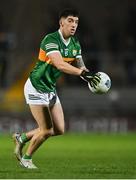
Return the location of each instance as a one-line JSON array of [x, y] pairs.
[[66, 42]]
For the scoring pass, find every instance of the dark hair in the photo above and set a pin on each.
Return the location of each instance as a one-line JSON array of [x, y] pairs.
[[68, 12]]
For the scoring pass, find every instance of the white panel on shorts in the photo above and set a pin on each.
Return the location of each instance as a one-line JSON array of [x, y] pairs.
[[33, 96]]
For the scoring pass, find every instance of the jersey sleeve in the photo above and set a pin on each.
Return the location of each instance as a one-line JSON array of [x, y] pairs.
[[50, 44], [79, 53]]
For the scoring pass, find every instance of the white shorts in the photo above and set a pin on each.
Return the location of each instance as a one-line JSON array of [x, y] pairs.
[[33, 96]]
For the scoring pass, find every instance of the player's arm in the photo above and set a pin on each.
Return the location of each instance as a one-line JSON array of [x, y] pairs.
[[50, 45], [80, 63], [63, 66]]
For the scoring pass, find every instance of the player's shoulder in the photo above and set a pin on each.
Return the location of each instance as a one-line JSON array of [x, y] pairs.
[[51, 36], [50, 40]]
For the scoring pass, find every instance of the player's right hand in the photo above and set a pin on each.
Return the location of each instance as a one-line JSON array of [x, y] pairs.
[[92, 78]]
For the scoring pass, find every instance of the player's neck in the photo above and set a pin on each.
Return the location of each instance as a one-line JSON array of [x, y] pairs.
[[65, 41], [63, 35]]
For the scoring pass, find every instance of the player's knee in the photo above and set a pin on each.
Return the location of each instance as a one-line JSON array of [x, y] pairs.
[[46, 133]]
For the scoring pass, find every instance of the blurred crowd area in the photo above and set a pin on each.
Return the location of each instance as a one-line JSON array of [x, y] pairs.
[[107, 33]]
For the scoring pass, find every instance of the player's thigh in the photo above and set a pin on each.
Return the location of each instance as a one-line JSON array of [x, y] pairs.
[[57, 118], [42, 116]]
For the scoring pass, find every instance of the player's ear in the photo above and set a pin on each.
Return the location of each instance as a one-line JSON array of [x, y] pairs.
[[61, 22]]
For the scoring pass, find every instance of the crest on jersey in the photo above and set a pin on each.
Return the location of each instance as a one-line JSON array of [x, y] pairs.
[[74, 52]]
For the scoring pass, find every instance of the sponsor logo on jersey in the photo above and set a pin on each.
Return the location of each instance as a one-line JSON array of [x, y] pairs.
[[66, 52]]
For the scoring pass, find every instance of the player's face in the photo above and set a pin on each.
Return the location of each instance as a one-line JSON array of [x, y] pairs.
[[68, 26]]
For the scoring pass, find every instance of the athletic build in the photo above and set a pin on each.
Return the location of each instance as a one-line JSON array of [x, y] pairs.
[[58, 51]]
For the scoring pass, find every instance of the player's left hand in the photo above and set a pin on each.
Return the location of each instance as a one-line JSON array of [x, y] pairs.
[[92, 78]]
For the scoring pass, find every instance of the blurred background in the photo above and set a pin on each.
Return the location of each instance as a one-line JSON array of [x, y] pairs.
[[107, 32]]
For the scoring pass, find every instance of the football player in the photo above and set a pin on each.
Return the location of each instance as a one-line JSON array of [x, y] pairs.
[[58, 51]]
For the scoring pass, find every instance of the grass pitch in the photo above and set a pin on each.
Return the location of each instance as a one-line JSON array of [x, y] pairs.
[[75, 156]]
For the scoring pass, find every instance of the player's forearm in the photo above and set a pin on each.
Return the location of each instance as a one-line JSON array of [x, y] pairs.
[[63, 66], [80, 63], [69, 69]]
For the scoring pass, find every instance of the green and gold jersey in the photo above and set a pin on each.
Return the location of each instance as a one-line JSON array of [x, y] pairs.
[[44, 74]]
